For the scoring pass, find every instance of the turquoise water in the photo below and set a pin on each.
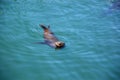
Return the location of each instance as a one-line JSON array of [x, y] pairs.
[[90, 30]]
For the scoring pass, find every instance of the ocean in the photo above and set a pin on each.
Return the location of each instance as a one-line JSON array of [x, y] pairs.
[[89, 28]]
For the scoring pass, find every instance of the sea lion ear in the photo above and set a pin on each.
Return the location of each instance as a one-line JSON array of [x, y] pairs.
[[49, 26]]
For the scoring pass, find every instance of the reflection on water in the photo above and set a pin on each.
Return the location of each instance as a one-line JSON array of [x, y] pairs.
[[92, 41]]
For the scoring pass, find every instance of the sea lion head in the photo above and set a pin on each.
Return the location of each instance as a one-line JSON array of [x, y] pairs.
[[59, 44]]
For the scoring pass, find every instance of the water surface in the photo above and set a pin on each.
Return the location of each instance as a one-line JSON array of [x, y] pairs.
[[90, 30]]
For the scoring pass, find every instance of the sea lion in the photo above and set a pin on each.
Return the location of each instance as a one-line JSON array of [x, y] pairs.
[[50, 39]]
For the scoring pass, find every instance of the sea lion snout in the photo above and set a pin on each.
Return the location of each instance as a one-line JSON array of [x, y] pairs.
[[59, 44]]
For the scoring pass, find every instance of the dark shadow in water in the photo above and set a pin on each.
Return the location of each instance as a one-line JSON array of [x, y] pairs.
[[115, 4], [114, 8]]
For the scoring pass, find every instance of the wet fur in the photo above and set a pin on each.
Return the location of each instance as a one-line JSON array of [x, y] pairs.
[[49, 38]]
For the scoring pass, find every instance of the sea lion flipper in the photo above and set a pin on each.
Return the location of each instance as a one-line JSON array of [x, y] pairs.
[[49, 26], [40, 42], [44, 27], [46, 43]]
